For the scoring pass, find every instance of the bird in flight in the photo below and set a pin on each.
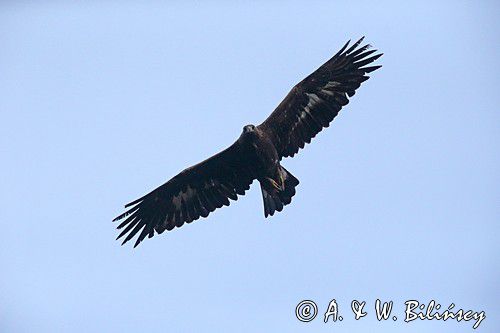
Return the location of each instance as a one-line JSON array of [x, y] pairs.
[[199, 190]]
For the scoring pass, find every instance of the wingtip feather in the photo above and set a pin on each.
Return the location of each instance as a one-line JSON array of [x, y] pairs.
[[136, 201], [342, 49], [355, 45], [370, 69]]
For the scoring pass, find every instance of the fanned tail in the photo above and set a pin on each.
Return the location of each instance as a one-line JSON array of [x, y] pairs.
[[276, 198]]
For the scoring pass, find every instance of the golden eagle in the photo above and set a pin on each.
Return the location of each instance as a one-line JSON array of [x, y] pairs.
[[199, 190]]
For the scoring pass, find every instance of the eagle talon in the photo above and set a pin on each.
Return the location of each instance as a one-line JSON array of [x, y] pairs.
[[276, 185]]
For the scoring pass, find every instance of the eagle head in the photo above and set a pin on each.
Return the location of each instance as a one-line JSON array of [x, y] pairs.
[[248, 128], [248, 135]]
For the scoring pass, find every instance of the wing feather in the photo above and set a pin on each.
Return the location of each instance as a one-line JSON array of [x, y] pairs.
[[193, 193], [314, 102]]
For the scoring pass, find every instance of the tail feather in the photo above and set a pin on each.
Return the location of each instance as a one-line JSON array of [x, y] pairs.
[[275, 199]]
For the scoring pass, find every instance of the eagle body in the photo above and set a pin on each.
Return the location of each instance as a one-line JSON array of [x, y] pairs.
[[277, 184], [261, 149], [310, 106]]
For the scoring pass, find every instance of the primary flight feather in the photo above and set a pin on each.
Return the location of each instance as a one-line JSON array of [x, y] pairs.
[[199, 190]]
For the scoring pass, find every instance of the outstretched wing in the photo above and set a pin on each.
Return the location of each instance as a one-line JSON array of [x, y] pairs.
[[313, 103], [196, 191]]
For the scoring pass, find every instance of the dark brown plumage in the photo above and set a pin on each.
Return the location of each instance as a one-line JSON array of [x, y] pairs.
[[197, 191]]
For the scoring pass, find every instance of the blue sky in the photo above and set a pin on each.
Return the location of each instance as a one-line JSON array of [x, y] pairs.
[[103, 101]]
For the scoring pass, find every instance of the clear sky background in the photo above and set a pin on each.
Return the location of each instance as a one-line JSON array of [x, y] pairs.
[[101, 102]]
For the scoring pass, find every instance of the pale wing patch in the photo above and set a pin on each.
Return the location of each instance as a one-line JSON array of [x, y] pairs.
[[327, 92], [332, 84], [211, 183], [183, 196], [313, 100]]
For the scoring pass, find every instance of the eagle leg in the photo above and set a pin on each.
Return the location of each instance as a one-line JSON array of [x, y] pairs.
[[276, 185]]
